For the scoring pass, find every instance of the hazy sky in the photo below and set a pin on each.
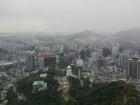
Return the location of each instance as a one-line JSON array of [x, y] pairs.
[[103, 16]]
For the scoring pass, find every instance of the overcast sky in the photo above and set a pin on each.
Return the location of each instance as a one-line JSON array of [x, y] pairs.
[[103, 16]]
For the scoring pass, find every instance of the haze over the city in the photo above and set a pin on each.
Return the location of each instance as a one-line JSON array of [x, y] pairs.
[[102, 16]]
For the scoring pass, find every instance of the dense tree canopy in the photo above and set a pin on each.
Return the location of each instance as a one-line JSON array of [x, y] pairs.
[[115, 93]]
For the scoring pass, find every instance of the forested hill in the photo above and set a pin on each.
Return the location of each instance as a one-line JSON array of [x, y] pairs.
[[115, 93]]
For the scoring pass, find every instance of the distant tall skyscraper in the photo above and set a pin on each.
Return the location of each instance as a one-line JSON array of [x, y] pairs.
[[122, 63], [82, 54], [106, 52], [30, 62], [51, 60], [133, 72]]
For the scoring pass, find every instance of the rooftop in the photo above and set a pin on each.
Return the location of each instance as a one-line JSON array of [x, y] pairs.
[[38, 82]]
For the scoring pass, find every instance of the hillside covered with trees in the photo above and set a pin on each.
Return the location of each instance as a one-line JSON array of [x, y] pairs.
[[115, 93]]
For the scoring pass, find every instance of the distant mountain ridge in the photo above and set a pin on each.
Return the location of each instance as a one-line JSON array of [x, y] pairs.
[[130, 35], [129, 39], [85, 35]]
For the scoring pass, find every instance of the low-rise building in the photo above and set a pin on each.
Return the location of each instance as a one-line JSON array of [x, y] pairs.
[[43, 76], [39, 86]]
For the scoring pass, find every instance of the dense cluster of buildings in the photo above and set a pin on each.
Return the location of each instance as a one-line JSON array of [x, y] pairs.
[[104, 63]]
